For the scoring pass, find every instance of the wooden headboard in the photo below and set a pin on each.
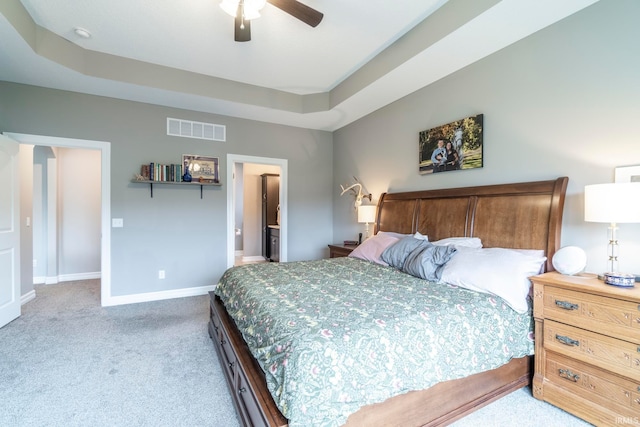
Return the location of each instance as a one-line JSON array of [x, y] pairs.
[[524, 215]]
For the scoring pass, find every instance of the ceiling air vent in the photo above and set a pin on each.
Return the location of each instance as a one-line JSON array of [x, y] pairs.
[[189, 129]]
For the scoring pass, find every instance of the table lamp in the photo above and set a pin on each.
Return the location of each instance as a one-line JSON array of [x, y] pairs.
[[366, 214], [612, 203]]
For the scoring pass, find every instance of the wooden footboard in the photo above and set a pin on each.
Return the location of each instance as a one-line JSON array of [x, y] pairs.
[[251, 398], [439, 405]]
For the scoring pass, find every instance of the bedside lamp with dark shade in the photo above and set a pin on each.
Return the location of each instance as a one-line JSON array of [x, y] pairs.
[[613, 203]]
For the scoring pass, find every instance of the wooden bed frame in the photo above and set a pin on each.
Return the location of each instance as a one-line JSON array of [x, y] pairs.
[[521, 216]]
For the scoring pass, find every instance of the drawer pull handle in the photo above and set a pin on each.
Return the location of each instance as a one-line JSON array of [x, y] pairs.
[[567, 340], [222, 342], [242, 390], [231, 364], [567, 374], [567, 305]]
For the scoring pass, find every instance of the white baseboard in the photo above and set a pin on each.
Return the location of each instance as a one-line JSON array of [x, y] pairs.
[[79, 276], [156, 296], [253, 258], [27, 297], [52, 280], [239, 253]]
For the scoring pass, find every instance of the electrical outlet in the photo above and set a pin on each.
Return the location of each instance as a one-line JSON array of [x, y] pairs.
[[160, 274]]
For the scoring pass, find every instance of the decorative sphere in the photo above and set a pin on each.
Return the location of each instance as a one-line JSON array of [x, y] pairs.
[[569, 260]]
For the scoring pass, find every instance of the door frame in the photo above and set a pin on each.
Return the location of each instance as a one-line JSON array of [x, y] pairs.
[[105, 196], [232, 160]]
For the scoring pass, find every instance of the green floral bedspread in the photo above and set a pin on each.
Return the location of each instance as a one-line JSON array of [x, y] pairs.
[[336, 334]]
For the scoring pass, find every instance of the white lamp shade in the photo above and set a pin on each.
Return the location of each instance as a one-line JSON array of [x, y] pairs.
[[612, 203], [367, 213]]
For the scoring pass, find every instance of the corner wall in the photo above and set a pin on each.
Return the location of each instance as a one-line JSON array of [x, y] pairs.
[[562, 102]]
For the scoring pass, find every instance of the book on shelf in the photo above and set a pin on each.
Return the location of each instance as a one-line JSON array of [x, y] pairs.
[[161, 172]]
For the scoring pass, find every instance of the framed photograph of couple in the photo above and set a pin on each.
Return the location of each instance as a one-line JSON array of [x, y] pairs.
[[202, 168], [454, 146]]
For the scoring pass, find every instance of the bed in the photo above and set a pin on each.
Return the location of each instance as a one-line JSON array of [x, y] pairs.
[[520, 216]]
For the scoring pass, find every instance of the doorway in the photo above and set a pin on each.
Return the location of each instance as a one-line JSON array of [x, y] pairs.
[[236, 163], [105, 197]]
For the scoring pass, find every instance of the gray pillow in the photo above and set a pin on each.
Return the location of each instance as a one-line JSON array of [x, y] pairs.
[[396, 254], [427, 262]]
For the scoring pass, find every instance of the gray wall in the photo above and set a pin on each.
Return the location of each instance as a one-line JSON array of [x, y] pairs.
[[562, 102], [176, 230]]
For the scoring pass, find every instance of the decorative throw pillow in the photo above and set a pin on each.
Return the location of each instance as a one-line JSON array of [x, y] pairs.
[[396, 254], [427, 261], [498, 271], [371, 249]]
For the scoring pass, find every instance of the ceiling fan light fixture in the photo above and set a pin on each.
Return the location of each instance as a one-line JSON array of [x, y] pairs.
[[251, 8]]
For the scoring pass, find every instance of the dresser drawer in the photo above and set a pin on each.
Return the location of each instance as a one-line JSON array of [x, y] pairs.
[[616, 355], [594, 384], [600, 314]]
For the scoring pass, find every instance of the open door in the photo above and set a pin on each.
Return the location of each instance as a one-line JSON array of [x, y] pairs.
[[9, 231]]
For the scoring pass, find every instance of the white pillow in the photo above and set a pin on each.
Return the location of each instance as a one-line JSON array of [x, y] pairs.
[[469, 242], [419, 236], [393, 234], [372, 248], [498, 271]]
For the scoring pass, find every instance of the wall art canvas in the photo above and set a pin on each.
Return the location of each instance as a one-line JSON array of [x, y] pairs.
[[454, 146]]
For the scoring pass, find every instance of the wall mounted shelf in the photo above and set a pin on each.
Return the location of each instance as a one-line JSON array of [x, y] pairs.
[[151, 183]]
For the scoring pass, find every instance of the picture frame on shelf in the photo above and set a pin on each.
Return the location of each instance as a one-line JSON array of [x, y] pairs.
[[202, 168]]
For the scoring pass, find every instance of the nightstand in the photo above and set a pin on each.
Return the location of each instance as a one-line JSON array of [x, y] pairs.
[[337, 250], [587, 348]]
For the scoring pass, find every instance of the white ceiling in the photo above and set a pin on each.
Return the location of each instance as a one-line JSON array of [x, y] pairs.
[[363, 55]]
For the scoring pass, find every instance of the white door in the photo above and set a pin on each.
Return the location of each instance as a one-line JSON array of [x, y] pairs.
[[9, 231]]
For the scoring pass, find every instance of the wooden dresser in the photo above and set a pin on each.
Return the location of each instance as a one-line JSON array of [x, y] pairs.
[[587, 348]]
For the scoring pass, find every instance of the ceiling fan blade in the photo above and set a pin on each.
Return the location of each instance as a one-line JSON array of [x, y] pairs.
[[242, 31], [298, 10]]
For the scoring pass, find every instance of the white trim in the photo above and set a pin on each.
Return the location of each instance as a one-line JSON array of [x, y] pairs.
[[29, 296], [105, 166], [160, 295], [232, 159], [253, 258], [79, 276], [51, 280]]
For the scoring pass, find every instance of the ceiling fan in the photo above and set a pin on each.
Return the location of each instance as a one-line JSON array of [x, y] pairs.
[[245, 10]]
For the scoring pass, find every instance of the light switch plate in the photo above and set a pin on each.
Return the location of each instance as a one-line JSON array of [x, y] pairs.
[[117, 222]]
